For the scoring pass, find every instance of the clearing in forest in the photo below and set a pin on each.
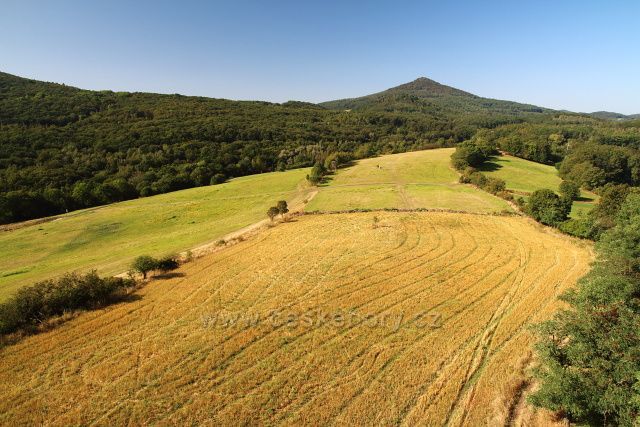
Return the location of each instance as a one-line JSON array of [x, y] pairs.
[[524, 177], [418, 179]]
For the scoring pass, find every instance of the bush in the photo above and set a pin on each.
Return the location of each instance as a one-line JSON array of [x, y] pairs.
[[570, 190], [34, 304], [546, 207], [583, 228], [167, 263], [494, 185]]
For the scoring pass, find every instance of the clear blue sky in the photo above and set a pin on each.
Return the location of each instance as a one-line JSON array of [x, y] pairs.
[[578, 55]]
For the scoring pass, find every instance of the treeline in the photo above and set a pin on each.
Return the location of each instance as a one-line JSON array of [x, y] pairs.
[[592, 152], [590, 352], [63, 148], [544, 205]]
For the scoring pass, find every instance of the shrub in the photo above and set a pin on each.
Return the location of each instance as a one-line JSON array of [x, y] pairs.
[[34, 304], [583, 228], [494, 185], [167, 263], [570, 190], [546, 207]]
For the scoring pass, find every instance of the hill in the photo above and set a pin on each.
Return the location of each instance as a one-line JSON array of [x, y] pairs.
[[419, 179], [608, 115], [110, 237], [415, 318], [426, 96], [63, 148]]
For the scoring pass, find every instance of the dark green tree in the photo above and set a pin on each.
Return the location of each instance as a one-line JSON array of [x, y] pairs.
[[547, 207], [570, 190], [272, 212], [144, 264], [282, 206]]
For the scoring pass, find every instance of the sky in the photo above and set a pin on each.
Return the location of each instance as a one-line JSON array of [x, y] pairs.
[[575, 55]]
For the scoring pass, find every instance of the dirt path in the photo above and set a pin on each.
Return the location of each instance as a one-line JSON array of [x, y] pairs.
[[296, 205]]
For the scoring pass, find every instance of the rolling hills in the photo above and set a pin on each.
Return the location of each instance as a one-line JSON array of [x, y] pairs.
[[64, 148], [417, 318]]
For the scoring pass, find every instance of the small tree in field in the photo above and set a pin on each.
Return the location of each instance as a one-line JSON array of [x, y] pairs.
[[144, 264], [273, 212], [282, 206]]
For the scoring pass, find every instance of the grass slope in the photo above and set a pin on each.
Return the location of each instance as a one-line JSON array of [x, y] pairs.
[[154, 361], [420, 179], [524, 177], [109, 237]]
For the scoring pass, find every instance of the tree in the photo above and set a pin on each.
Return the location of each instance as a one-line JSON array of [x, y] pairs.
[[282, 207], [317, 172], [144, 264], [570, 190], [546, 207], [272, 212], [590, 353], [467, 154]]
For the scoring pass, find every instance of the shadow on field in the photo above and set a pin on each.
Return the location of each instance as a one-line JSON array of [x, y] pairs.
[[489, 167], [166, 276]]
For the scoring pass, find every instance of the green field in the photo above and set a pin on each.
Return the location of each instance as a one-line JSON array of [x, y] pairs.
[[109, 237], [420, 179], [524, 177]]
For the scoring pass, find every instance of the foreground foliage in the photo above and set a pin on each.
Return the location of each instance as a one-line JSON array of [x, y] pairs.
[[591, 352]]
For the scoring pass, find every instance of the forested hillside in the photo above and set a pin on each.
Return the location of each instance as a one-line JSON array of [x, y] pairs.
[[63, 148]]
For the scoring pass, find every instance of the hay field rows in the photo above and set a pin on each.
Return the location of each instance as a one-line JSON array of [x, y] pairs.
[[418, 179], [168, 357]]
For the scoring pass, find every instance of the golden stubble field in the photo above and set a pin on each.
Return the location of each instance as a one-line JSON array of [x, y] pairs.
[[350, 319]]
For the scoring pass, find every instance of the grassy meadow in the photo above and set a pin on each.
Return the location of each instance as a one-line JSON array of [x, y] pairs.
[[419, 179], [380, 319], [524, 177], [107, 238]]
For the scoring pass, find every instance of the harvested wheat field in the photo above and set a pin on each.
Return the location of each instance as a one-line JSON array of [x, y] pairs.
[[365, 318]]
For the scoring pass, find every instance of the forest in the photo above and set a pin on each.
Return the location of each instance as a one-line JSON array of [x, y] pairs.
[[63, 148]]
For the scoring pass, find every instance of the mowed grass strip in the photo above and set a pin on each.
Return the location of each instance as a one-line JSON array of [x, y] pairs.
[[107, 238], [524, 177], [154, 360], [419, 179]]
